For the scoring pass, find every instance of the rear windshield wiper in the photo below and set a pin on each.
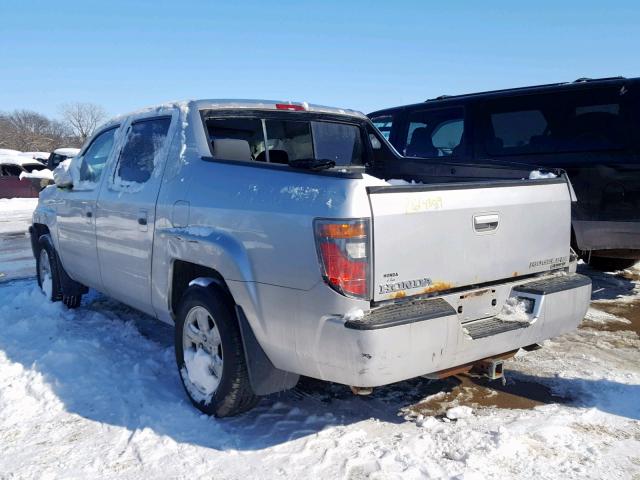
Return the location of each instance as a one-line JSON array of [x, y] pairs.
[[312, 163]]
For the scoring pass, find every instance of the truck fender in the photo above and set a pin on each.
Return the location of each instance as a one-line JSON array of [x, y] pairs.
[[68, 285]]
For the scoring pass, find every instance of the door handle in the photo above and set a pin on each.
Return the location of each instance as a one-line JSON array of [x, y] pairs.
[[89, 213], [142, 220], [486, 223]]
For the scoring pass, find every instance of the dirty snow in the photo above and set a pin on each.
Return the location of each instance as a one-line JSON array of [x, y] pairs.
[[300, 193], [514, 310], [371, 181], [537, 175], [355, 314], [94, 393]]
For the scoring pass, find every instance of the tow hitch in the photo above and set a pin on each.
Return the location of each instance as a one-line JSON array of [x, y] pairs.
[[493, 369]]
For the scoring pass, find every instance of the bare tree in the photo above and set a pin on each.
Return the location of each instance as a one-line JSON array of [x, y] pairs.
[[82, 118], [28, 130]]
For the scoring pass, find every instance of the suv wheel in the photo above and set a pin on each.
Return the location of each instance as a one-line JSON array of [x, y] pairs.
[[210, 355]]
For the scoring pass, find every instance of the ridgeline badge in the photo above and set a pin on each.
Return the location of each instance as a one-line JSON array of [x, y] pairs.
[[406, 285]]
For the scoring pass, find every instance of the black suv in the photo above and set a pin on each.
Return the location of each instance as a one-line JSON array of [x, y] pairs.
[[590, 128]]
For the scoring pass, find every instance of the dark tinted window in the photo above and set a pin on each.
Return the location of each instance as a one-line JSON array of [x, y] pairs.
[[561, 122], [236, 138], [518, 129], [144, 142], [338, 142], [33, 167], [95, 157], [56, 158], [435, 133], [12, 170]]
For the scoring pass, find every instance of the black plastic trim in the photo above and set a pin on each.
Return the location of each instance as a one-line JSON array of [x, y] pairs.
[[402, 314], [554, 285], [264, 377], [287, 169], [463, 185]]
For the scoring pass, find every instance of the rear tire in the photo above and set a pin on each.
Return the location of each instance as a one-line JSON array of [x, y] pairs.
[[609, 264], [215, 377]]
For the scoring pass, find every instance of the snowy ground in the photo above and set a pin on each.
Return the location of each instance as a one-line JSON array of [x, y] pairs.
[[93, 393]]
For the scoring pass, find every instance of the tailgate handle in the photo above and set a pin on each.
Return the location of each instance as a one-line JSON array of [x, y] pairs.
[[485, 223]]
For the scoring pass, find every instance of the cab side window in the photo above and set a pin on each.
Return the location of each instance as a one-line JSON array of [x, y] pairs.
[[145, 140], [95, 157], [435, 133]]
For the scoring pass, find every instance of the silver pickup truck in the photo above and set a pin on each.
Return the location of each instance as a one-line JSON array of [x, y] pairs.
[[264, 233]]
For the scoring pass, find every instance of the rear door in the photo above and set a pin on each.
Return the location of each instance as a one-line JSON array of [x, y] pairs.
[[586, 131], [441, 237], [126, 211]]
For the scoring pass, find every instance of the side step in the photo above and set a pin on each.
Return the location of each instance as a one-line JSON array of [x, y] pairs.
[[491, 326]]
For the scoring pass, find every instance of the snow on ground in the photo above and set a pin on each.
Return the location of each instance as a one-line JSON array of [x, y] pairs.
[[15, 214], [94, 393]]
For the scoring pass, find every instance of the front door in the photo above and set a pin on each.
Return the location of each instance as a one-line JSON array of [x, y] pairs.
[[76, 213], [126, 212]]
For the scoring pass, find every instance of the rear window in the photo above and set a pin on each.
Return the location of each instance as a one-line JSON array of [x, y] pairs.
[[562, 122], [282, 141]]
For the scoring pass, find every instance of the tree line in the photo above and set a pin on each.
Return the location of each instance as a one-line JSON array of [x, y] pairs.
[[30, 131]]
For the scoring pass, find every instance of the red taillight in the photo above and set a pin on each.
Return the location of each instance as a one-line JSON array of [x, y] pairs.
[[290, 106], [343, 248]]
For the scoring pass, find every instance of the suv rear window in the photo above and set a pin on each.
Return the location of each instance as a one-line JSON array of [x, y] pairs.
[[243, 139]]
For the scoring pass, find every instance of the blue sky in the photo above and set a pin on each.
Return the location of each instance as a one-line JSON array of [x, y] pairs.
[[357, 54]]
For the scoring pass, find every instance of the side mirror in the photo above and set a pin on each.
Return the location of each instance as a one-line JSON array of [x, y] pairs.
[[62, 175]]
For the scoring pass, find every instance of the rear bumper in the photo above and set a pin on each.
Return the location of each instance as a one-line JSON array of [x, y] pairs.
[[381, 349], [594, 235]]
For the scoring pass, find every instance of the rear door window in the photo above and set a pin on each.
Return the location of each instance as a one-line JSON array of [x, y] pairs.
[[587, 120], [435, 133], [139, 156]]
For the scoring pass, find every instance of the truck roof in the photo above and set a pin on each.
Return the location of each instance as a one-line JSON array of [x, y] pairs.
[[580, 83], [240, 104]]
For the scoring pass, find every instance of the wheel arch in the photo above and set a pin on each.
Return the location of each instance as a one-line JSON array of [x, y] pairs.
[[265, 378]]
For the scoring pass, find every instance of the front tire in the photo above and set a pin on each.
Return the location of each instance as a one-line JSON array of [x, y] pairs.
[[49, 275], [47, 270], [210, 354]]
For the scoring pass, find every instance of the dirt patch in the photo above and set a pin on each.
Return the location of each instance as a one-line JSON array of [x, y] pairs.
[[627, 310], [481, 393]]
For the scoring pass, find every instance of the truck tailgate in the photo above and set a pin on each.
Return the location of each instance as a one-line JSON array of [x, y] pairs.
[[439, 237]]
